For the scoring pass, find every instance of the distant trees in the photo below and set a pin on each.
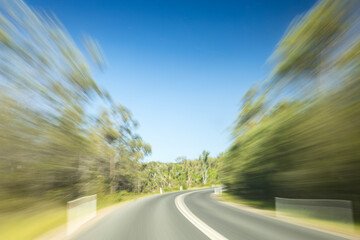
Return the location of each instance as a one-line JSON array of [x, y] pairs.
[[184, 172], [292, 141]]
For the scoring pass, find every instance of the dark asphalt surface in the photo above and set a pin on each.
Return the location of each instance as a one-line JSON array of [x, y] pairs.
[[157, 217]]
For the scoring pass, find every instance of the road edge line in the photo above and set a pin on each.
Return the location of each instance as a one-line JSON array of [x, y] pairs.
[[199, 224]]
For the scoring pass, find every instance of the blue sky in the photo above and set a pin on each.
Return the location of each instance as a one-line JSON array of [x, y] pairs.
[[181, 67]]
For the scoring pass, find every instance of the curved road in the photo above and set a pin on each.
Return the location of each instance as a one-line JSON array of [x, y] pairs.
[[192, 215]]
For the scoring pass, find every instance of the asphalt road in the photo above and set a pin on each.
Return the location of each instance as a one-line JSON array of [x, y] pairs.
[[196, 215]]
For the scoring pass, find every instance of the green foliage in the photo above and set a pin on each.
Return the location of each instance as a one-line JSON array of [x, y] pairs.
[[51, 146], [305, 50], [294, 142], [186, 173]]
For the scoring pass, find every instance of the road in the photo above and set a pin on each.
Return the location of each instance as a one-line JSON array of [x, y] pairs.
[[192, 215]]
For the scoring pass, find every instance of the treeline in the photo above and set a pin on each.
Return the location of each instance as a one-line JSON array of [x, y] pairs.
[[186, 173], [298, 133]]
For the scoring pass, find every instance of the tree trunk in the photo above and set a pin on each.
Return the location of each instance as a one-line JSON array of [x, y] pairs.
[[205, 176], [112, 175], [138, 185]]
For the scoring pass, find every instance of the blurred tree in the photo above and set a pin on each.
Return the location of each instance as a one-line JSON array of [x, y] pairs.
[[51, 146], [290, 142], [305, 51]]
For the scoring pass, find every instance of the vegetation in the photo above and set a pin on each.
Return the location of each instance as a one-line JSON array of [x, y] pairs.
[[186, 173], [62, 136], [298, 133], [51, 148]]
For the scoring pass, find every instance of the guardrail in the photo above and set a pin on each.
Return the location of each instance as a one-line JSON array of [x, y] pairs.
[[218, 190], [325, 209], [79, 211]]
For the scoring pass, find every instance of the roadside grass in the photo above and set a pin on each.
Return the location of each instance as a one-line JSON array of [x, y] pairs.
[[350, 229], [299, 217], [24, 224], [227, 197], [123, 196]]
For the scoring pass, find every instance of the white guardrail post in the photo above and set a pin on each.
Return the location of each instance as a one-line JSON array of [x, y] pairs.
[[218, 190], [79, 211]]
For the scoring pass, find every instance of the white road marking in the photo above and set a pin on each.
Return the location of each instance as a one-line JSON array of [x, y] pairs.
[[203, 227]]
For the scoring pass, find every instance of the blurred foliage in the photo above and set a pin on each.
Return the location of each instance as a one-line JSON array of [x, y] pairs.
[[54, 145], [298, 133]]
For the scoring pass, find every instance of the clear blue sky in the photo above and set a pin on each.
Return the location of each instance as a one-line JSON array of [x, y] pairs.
[[180, 66]]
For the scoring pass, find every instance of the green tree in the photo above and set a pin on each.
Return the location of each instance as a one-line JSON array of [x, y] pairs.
[[306, 50]]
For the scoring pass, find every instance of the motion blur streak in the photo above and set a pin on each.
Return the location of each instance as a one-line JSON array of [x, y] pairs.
[[54, 145], [298, 132], [62, 137], [52, 149]]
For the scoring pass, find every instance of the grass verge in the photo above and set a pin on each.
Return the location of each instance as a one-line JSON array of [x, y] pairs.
[[23, 225]]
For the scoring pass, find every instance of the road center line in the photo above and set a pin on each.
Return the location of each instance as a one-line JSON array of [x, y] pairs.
[[203, 227]]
